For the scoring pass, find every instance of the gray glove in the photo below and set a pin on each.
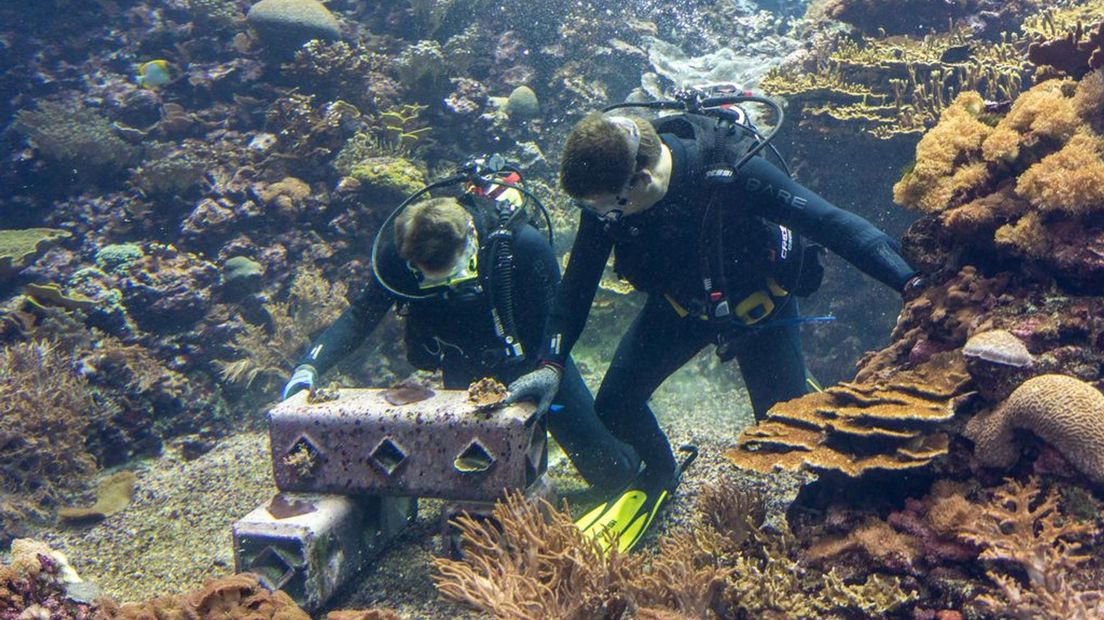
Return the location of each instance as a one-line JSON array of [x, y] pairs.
[[540, 385], [303, 378]]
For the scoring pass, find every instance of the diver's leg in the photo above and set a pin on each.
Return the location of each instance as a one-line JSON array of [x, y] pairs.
[[772, 363], [656, 344], [604, 461]]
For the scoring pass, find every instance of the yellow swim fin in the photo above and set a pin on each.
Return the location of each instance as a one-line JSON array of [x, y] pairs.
[[624, 517]]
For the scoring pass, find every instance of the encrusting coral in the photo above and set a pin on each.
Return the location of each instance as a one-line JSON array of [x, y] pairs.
[[18, 246], [1017, 528], [1065, 412]]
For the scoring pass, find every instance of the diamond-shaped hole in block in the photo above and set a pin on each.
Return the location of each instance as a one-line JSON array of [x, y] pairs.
[[303, 457], [388, 456], [273, 570], [474, 459]]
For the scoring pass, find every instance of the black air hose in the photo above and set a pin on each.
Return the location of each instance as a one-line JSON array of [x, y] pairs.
[[502, 285]]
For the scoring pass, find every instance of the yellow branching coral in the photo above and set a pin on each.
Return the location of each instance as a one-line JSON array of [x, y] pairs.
[[1069, 180]]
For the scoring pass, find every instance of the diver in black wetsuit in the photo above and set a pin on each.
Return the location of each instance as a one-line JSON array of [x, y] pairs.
[[645, 197], [435, 267]]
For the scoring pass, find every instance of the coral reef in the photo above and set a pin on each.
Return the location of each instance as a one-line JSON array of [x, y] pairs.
[[535, 563], [1065, 412], [896, 86], [1048, 140], [1017, 528], [34, 585], [271, 349]]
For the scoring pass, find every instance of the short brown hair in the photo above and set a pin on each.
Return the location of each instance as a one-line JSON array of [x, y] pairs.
[[596, 158], [432, 233]]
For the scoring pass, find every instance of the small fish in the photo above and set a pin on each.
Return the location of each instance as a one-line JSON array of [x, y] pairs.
[[154, 74], [957, 54]]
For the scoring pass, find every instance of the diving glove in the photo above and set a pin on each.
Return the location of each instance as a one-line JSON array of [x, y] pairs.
[[303, 378], [540, 385]]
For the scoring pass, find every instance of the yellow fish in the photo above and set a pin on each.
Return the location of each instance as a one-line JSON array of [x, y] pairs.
[[154, 74]]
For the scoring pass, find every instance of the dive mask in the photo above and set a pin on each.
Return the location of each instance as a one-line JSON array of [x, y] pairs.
[[465, 269]]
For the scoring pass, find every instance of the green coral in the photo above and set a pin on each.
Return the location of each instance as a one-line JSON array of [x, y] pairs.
[[76, 137], [396, 176], [19, 246], [118, 256], [523, 104]]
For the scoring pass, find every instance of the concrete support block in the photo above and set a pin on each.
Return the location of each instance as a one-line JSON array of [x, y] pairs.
[[443, 446], [310, 545]]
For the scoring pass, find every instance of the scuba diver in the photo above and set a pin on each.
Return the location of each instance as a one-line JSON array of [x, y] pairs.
[[702, 222], [473, 281]]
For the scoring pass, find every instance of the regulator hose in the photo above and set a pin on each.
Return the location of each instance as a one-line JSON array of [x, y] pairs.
[[501, 284]]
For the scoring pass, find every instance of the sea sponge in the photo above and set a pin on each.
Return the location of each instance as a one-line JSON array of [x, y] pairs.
[[1069, 180], [1065, 412], [938, 176]]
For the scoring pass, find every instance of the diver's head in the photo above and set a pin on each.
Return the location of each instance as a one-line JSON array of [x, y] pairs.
[[437, 239], [611, 165]]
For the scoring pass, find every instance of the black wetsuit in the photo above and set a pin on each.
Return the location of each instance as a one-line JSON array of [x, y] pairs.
[[455, 333], [659, 252]]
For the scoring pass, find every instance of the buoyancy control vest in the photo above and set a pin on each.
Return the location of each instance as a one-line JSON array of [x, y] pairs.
[[745, 262]]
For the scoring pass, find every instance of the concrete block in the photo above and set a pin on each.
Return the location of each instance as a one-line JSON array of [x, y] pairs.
[[443, 446], [310, 545]]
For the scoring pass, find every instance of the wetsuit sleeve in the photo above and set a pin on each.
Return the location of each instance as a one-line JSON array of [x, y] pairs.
[[773, 195], [569, 313], [350, 329], [536, 276]]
